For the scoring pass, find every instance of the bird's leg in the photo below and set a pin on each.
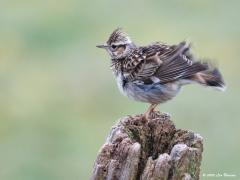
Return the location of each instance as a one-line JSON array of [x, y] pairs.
[[150, 109]]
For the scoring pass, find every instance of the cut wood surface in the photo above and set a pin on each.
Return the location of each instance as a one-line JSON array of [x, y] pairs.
[[136, 149]]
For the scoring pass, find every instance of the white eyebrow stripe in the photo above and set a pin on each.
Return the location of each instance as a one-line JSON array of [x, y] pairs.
[[119, 44]]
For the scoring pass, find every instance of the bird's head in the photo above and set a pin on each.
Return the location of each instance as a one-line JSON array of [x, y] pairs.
[[119, 45]]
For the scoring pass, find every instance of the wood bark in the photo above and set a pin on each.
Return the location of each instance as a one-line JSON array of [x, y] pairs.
[[136, 149]]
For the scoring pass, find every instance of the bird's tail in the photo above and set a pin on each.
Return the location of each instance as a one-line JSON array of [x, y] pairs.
[[210, 77]]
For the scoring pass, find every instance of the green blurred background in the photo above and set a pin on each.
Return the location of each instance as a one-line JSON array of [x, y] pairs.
[[58, 98]]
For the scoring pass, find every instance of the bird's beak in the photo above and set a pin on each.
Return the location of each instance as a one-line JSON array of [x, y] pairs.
[[102, 46]]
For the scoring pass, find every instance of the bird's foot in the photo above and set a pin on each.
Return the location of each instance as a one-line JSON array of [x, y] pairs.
[[154, 114], [145, 117], [150, 113]]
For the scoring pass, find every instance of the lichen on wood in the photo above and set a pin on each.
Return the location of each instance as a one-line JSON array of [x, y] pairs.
[[137, 149]]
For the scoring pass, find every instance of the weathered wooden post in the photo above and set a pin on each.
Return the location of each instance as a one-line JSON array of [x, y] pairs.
[[136, 149]]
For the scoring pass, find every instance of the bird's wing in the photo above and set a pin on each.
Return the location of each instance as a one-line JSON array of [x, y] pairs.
[[162, 63]]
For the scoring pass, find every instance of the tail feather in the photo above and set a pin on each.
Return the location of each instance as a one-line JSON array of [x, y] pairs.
[[211, 77]]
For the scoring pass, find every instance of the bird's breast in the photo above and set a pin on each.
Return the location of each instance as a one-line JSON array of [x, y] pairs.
[[121, 81]]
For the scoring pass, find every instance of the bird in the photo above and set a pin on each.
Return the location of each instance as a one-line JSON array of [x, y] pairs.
[[155, 73]]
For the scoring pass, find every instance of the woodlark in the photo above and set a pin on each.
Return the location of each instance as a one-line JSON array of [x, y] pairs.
[[155, 73]]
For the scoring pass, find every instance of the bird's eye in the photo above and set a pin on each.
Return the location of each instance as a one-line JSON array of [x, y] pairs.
[[113, 46]]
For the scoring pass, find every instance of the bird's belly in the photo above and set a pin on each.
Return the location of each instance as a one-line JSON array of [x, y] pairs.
[[152, 93]]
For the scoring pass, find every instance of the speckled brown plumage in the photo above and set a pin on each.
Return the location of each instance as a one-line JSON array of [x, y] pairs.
[[156, 72]]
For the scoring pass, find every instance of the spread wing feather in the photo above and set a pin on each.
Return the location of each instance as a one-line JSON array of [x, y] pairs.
[[167, 63]]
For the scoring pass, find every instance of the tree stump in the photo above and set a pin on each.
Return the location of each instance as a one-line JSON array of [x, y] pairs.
[[137, 149]]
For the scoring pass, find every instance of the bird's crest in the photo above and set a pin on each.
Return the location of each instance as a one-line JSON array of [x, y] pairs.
[[118, 36]]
